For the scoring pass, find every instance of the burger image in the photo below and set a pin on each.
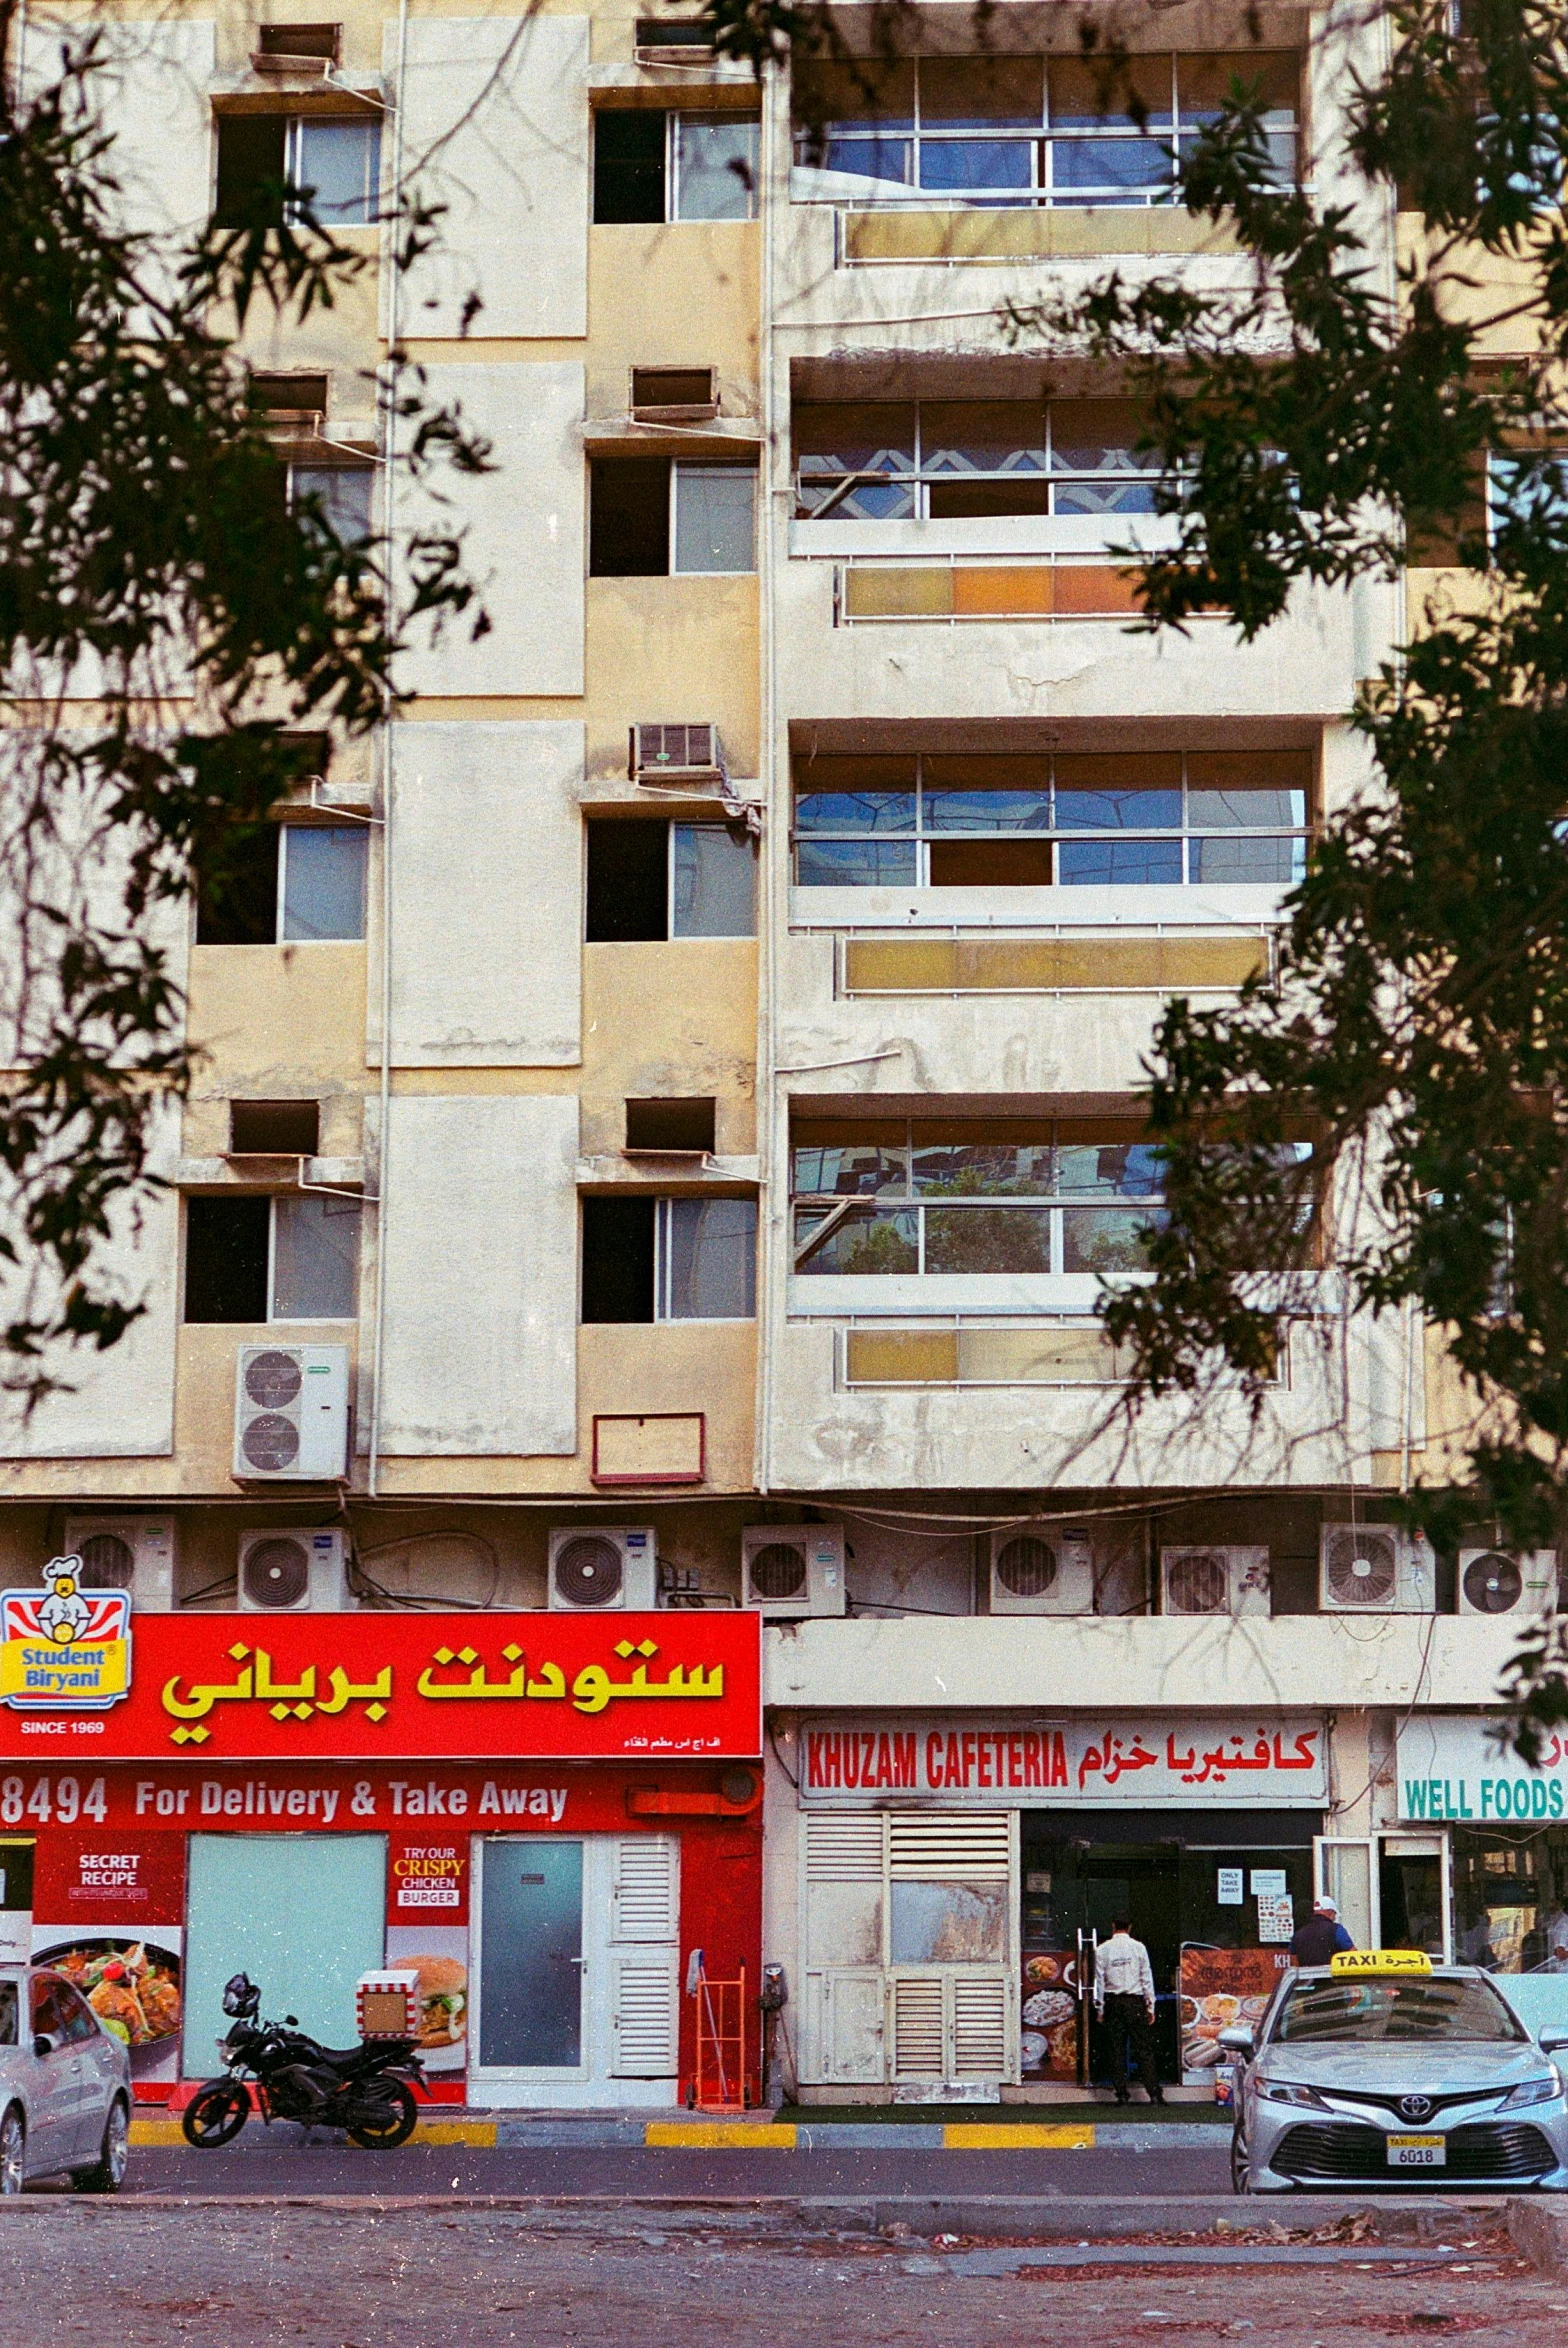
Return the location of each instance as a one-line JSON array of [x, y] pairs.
[[443, 1998]]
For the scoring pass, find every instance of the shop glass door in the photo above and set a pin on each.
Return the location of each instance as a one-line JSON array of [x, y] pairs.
[[1346, 1872], [1414, 1894], [303, 1914], [531, 1960]]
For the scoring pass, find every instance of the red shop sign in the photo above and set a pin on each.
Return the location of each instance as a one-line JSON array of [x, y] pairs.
[[372, 1686]]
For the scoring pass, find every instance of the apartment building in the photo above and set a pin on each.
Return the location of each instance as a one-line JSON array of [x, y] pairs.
[[668, 1105]]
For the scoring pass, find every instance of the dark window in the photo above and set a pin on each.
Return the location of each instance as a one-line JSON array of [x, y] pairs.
[[628, 166], [628, 880], [251, 168], [672, 387], [670, 1124], [666, 32], [226, 1258], [239, 906], [271, 1129], [300, 40], [79, 2024], [290, 395], [47, 2014], [990, 864], [618, 1259], [629, 518]]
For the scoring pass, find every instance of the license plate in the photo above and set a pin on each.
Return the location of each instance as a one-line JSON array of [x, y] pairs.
[[1417, 2152]]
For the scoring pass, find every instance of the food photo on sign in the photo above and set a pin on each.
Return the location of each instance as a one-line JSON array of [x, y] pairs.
[[110, 1917]]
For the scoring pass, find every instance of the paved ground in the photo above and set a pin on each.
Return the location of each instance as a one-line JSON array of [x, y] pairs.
[[140, 2276], [255, 2165]]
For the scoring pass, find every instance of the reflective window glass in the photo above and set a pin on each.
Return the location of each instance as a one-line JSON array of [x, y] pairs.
[[715, 882], [8, 2003], [1119, 864], [345, 495], [977, 164], [1110, 164], [863, 93], [1122, 1169], [888, 161], [1087, 92], [1106, 1239], [341, 161], [867, 1240], [715, 518], [315, 1259], [855, 864], [988, 1239], [710, 1259], [961, 1162], [1100, 436], [986, 795], [715, 167], [855, 1166], [833, 437], [323, 881], [1247, 810], [1238, 858]]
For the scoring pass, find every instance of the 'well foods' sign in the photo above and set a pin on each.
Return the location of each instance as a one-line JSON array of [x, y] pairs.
[[313, 1687], [1458, 1768]]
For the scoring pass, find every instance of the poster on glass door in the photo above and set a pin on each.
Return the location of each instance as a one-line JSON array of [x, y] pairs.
[[108, 1914], [427, 1932]]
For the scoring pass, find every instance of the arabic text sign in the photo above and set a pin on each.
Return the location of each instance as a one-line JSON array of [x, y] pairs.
[[213, 1687], [1261, 1764], [1454, 1768]]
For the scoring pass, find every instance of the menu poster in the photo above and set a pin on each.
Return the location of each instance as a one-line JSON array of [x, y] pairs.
[[108, 1913], [1048, 2040], [1276, 1919], [1219, 1987]]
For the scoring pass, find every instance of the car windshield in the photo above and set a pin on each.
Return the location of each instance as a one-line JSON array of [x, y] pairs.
[[1428, 2010]]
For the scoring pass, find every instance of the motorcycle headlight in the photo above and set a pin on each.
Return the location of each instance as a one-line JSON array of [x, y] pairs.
[[1285, 2091], [1531, 2091]]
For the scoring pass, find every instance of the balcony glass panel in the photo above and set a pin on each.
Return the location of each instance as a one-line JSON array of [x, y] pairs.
[[865, 1241], [1105, 1239]]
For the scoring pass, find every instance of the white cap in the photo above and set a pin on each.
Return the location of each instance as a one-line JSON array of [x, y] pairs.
[[1326, 1906]]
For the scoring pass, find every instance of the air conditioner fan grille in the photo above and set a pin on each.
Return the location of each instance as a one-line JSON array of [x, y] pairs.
[[1363, 1568], [276, 1573], [1493, 1583], [108, 1562], [1198, 1582], [588, 1571], [778, 1570], [1026, 1566]]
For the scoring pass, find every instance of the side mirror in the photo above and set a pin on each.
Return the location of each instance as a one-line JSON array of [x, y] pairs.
[[1237, 2040], [43, 2044], [292, 2021], [1552, 2040]]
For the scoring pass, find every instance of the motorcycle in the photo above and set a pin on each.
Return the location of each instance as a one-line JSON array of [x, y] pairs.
[[276, 2069]]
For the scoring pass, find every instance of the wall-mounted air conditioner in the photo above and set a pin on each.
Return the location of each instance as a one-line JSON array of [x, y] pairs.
[[600, 1569], [291, 1414], [294, 1571], [1213, 1579], [1493, 1582], [791, 1571], [677, 754], [1042, 1569], [1375, 1569], [134, 1553]]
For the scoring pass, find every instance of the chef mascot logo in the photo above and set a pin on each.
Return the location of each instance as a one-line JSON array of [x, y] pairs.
[[63, 1648]]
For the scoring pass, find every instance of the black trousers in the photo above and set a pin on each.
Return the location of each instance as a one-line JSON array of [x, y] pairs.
[[1127, 2027]]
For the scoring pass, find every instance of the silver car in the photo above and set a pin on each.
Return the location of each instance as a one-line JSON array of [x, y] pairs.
[[1396, 2078], [65, 2086]]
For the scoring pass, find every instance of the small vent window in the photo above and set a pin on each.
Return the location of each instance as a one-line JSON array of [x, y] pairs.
[[844, 1850]]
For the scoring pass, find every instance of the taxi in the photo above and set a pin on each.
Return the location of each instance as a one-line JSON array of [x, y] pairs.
[[1382, 2068]]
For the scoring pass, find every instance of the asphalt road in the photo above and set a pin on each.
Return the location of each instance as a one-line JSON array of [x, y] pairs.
[[288, 2167]]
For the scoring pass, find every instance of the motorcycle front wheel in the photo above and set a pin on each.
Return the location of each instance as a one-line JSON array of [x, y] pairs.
[[216, 2114], [388, 2122]]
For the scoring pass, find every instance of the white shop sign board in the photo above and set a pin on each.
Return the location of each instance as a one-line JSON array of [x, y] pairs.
[[1454, 1768], [1137, 1762]]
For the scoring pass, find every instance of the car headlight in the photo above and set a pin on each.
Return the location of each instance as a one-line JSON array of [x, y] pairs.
[[1283, 2091], [1531, 2091]]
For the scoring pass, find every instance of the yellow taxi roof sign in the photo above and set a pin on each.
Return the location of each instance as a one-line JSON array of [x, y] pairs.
[[1380, 1961]]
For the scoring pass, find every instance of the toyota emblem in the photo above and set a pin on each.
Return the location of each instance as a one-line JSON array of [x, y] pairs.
[[1415, 2107]]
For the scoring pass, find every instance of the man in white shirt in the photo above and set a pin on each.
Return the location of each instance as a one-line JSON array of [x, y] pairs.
[[1124, 2001]]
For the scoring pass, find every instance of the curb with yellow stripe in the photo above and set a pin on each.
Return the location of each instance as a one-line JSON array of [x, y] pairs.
[[721, 2135]]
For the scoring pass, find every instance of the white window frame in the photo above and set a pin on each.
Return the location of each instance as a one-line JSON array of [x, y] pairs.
[[279, 937], [275, 1319], [679, 823], [679, 465], [662, 1254], [293, 171], [672, 148]]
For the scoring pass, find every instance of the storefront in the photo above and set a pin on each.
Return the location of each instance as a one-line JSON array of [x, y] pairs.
[[1500, 1832], [956, 1874], [544, 1814]]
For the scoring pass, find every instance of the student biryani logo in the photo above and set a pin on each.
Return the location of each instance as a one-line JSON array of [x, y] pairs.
[[63, 1648]]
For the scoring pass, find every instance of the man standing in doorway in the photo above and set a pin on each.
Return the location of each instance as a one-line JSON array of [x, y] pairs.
[[1321, 1937], [1124, 2001]]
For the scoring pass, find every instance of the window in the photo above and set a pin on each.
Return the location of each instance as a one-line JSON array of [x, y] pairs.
[[669, 1259], [1042, 1196], [272, 1129], [333, 161], [1527, 486], [1218, 818], [1023, 130], [272, 1259], [948, 460], [672, 1124], [649, 517], [650, 879], [342, 495], [290, 883], [654, 166]]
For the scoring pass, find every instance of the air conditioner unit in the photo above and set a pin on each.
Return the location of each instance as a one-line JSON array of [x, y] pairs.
[[1375, 1569], [677, 754], [791, 1571], [291, 1414], [1492, 1582], [294, 1571], [1214, 1580], [134, 1553], [597, 1569], [1042, 1569]]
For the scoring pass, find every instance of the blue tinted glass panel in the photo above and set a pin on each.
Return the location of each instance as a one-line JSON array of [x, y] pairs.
[[857, 1169], [323, 881], [1118, 811], [1118, 1169], [1238, 859], [855, 864], [1247, 810], [1111, 163], [976, 163], [855, 811], [1105, 497], [1118, 864], [530, 1980], [884, 159], [987, 811], [341, 161]]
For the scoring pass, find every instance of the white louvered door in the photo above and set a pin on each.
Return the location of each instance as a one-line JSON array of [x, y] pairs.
[[644, 1956], [842, 2016], [952, 1945]]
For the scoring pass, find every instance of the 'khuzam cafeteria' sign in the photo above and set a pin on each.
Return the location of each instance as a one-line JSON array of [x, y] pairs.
[[78, 1677], [1263, 1764]]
